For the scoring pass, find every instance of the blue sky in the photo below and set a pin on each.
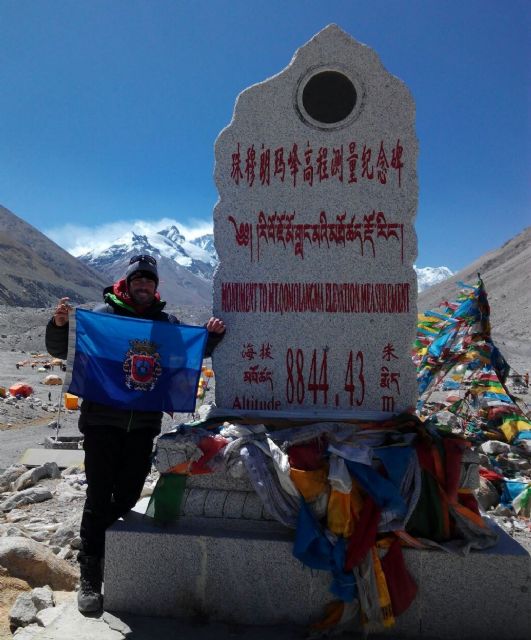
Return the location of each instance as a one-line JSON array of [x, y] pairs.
[[110, 108]]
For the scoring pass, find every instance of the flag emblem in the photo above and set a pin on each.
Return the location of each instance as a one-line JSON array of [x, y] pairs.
[[142, 365]]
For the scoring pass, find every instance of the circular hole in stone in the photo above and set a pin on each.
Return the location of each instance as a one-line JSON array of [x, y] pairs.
[[329, 96]]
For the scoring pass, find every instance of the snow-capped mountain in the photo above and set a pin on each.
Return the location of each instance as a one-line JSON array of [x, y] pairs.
[[206, 243], [199, 255], [185, 266], [428, 276]]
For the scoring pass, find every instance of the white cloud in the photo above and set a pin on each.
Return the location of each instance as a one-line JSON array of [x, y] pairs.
[[80, 239]]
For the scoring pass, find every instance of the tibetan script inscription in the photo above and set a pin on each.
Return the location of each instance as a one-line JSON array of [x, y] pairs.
[[281, 229]]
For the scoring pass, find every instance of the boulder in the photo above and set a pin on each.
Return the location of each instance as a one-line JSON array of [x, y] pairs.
[[75, 543], [75, 469], [31, 477], [27, 496], [74, 625], [10, 475], [23, 612], [63, 535], [34, 562], [116, 624], [65, 492], [502, 510], [39, 536], [42, 597], [494, 447], [487, 495], [26, 633], [47, 616], [65, 553], [11, 530], [16, 516], [42, 526]]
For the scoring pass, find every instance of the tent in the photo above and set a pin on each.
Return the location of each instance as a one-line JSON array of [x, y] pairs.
[[71, 401], [52, 379], [20, 389]]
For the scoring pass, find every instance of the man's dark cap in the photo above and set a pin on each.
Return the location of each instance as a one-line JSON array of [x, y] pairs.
[[146, 265]]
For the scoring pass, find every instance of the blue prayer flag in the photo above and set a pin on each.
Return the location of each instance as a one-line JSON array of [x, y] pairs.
[[137, 364]]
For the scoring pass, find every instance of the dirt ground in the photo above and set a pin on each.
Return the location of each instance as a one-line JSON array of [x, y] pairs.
[[10, 589]]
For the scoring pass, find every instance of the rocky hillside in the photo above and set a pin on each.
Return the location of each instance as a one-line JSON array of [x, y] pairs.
[[506, 273], [36, 272]]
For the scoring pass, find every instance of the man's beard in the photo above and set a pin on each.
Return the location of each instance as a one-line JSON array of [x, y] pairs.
[[147, 297]]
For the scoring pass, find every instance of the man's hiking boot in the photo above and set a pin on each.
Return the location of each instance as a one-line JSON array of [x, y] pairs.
[[89, 598]]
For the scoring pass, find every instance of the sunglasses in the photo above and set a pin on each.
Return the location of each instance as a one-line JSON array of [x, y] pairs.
[[148, 259]]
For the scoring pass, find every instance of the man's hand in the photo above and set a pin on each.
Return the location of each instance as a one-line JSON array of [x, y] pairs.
[[60, 317], [215, 325]]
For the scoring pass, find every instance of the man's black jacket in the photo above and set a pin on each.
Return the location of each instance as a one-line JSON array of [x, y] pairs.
[[94, 414]]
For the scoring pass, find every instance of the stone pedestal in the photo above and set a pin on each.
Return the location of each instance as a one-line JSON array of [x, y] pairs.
[[224, 560], [234, 571]]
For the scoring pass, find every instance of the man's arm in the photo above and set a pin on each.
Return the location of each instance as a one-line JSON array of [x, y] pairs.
[[56, 337]]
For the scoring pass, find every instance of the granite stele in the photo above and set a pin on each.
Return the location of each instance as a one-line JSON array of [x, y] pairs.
[[314, 229]]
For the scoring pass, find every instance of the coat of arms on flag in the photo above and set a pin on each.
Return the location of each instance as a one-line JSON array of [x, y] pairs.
[[142, 365], [136, 364]]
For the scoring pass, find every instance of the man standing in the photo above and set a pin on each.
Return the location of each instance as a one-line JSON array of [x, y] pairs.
[[117, 442]]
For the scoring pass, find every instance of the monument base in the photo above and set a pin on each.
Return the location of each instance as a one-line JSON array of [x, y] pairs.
[[244, 572]]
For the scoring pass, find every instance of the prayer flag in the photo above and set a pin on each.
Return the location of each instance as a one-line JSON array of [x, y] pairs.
[[513, 425], [136, 364]]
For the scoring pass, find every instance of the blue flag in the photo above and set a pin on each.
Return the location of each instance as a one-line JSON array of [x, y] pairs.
[[131, 363]]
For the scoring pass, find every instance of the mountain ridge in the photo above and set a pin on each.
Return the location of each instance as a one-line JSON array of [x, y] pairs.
[[36, 271]]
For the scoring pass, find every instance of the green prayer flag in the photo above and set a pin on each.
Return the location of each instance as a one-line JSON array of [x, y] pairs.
[[165, 504]]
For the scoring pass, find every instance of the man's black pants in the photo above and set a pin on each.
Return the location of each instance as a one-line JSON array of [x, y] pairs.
[[116, 465]]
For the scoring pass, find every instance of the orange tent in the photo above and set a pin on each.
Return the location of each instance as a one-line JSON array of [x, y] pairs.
[[71, 401], [21, 389]]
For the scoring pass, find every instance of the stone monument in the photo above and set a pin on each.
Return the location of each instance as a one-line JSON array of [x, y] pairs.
[[314, 229]]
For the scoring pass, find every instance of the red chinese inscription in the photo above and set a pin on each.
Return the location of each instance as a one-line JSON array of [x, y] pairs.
[[320, 165]]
